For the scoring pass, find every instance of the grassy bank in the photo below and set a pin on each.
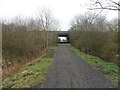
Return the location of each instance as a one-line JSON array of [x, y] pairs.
[[31, 74], [109, 69]]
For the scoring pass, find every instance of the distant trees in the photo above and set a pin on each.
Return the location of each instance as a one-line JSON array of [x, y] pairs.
[[24, 38], [95, 35]]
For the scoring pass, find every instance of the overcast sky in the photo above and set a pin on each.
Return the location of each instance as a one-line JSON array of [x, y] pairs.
[[63, 10]]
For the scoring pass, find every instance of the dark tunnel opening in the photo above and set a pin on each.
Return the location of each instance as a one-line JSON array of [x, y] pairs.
[[63, 38]]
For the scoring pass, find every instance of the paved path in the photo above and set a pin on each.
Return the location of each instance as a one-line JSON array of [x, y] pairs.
[[70, 71]]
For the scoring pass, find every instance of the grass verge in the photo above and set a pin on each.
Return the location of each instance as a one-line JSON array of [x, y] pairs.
[[109, 69], [31, 74]]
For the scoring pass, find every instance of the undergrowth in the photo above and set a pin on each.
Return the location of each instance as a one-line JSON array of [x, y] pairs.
[[31, 74]]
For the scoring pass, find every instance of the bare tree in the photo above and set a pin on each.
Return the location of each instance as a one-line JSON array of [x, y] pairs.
[[46, 21], [108, 5]]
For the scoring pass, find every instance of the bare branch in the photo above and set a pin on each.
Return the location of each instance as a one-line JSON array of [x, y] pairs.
[[112, 5], [104, 8], [115, 3]]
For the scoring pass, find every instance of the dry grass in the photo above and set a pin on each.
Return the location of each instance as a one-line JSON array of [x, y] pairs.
[[31, 74], [15, 66], [6, 72]]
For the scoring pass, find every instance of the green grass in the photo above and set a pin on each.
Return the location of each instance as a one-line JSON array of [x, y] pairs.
[[109, 69], [31, 74]]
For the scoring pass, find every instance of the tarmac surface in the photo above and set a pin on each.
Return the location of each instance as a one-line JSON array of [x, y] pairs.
[[70, 71]]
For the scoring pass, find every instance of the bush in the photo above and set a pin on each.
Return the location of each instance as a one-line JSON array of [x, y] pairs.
[[19, 43], [95, 36]]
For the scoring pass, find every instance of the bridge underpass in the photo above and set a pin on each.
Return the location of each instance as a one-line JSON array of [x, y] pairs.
[[63, 37]]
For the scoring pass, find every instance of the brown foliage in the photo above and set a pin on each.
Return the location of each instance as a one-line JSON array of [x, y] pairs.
[[95, 36], [19, 42]]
